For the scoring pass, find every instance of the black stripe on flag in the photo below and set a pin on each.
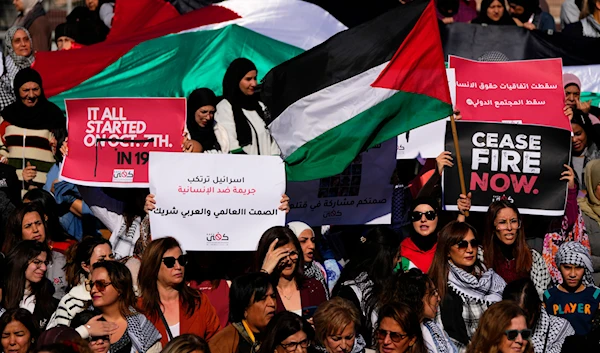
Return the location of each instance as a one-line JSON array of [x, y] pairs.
[[343, 56]]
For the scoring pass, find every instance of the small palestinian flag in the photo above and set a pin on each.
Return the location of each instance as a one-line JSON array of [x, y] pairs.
[[361, 87]]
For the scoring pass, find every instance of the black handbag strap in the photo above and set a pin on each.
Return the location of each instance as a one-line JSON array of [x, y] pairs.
[[164, 321]]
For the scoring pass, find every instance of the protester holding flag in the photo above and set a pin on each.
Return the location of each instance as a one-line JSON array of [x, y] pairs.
[[466, 287], [494, 12], [586, 146], [166, 300], [201, 124], [590, 207], [241, 113], [279, 254], [25, 282], [18, 54]]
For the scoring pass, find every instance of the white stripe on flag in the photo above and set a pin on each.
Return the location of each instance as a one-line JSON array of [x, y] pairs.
[[321, 111], [589, 76], [298, 23]]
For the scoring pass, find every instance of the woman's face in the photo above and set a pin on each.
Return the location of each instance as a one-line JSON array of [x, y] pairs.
[[464, 257], [423, 225], [248, 83], [293, 344], [431, 302], [36, 270], [101, 252], [519, 344], [103, 292], [204, 114], [21, 43], [572, 95], [29, 93], [495, 11], [391, 337], [307, 242], [32, 227], [507, 226], [579, 138], [341, 342], [16, 338], [92, 5], [259, 313], [173, 276], [288, 264]]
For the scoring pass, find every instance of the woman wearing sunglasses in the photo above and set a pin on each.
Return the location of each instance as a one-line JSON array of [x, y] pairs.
[[398, 330], [80, 259], [466, 287], [502, 329], [506, 251], [280, 255], [112, 293], [25, 282], [287, 333], [166, 300]]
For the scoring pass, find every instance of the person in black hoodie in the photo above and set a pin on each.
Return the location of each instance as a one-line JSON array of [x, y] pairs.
[[493, 12]]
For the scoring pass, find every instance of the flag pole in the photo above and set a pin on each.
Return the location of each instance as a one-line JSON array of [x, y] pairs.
[[461, 174]]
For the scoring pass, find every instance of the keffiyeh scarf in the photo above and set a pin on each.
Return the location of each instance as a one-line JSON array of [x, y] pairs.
[[12, 64], [550, 333], [312, 270], [591, 28], [440, 338], [486, 289], [574, 253], [124, 242], [141, 332]]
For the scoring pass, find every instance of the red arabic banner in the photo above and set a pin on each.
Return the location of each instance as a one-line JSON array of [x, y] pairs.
[[110, 138], [521, 92]]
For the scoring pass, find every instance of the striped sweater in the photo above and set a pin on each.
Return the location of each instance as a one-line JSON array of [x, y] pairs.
[[74, 302], [21, 145]]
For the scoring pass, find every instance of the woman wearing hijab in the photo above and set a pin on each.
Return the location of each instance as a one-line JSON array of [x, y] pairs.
[[590, 207], [241, 113], [33, 17], [93, 20], [312, 268], [29, 122], [493, 12], [201, 123], [18, 54], [528, 14], [573, 98]]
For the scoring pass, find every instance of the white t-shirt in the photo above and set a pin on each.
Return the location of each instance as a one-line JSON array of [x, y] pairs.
[[174, 330]]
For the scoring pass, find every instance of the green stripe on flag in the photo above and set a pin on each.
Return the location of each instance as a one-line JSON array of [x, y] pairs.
[[401, 112], [591, 96], [176, 64]]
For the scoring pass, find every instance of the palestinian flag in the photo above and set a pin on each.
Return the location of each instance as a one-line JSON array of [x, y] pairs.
[[361, 87], [590, 82], [153, 51]]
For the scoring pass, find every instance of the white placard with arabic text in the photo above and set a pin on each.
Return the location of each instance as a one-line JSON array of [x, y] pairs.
[[215, 202]]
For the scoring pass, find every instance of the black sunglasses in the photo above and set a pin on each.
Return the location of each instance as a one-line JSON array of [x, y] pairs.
[[394, 336], [463, 244], [512, 334], [169, 261], [95, 339], [416, 216]]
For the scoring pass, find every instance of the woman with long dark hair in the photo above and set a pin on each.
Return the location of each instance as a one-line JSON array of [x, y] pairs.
[[201, 124], [505, 249], [242, 114], [19, 331], [466, 287], [398, 330], [287, 333], [585, 145], [25, 282], [364, 279], [112, 293], [166, 300], [280, 255]]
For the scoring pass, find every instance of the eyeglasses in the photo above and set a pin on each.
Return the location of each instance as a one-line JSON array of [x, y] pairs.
[[99, 339], [394, 336], [293, 255], [512, 334], [416, 216], [169, 261], [292, 346], [39, 263], [504, 224], [464, 245], [101, 285]]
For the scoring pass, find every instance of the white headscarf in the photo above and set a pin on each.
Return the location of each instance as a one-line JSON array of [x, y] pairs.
[[299, 227]]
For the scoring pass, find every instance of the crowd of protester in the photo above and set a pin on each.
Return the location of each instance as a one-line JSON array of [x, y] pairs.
[[80, 271]]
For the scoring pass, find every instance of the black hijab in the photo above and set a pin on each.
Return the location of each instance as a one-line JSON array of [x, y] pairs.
[[204, 135], [506, 19], [44, 115], [238, 100], [424, 243], [530, 6]]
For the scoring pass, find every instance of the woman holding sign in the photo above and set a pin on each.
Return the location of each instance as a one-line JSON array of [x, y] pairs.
[[241, 114]]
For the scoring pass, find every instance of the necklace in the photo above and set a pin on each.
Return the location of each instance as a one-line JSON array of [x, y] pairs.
[[283, 295]]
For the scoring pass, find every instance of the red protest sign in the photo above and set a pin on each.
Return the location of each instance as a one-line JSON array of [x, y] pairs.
[[523, 92], [110, 138]]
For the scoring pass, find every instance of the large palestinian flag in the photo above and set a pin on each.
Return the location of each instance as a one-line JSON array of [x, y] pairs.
[[153, 51], [361, 87]]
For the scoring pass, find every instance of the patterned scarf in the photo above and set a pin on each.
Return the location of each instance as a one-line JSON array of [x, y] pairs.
[[254, 345], [550, 333], [574, 253], [312, 270], [486, 289], [591, 28], [440, 338], [123, 243], [141, 332], [12, 64]]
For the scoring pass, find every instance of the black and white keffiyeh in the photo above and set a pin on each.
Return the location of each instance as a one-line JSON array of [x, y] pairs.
[[575, 253], [550, 333], [440, 339], [12, 64], [486, 289], [141, 332], [123, 244]]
